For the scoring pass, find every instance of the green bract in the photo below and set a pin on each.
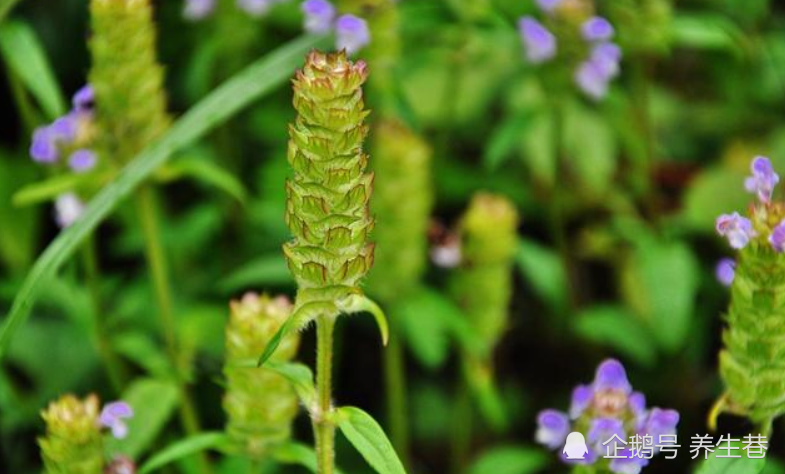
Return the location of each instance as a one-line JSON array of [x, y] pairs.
[[73, 442], [483, 283], [753, 361], [327, 205], [260, 403], [128, 81], [402, 203]]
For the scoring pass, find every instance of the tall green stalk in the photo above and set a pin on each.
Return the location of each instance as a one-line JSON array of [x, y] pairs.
[[328, 212]]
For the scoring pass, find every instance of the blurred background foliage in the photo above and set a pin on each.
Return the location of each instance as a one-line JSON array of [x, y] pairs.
[[615, 255]]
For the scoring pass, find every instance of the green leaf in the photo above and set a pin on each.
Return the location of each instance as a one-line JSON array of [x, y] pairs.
[[362, 304], [543, 270], [510, 460], [255, 81], [538, 146], [25, 55], [743, 465], [620, 330], [591, 145], [295, 453], [50, 188], [504, 140], [709, 31], [427, 337], [713, 192], [369, 439], [300, 376], [204, 170], [5, 7], [154, 402], [267, 270], [184, 448], [301, 316]]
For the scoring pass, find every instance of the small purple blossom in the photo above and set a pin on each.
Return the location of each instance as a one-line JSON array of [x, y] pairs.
[[725, 271], [592, 80], [606, 408], [65, 129], [777, 237], [43, 148], [763, 178], [352, 33], [68, 208], [539, 43], [84, 99], [548, 6], [255, 8], [196, 10], [319, 16], [737, 229], [113, 416], [597, 29], [82, 160]]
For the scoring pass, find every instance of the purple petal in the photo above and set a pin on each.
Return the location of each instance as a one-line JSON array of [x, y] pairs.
[[255, 8], [198, 9], [552, 428], [43, 148], [661, 422], [612, 376], [352, 33], [319, 16], [581, 399], [82, 160], [548, 6], [597, 29], [538, 42], [637, 403], [592, 79], [84, 99], [119, 409], [119, 429], [65, 128], [68, 208], [605, 57], [763, 179], [602, 430], [631, 465], [777, 237], [737, 229], [726, 271]]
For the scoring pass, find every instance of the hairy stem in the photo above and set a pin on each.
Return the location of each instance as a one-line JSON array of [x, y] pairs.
[[323, 422], [158, 267], [112, 364]]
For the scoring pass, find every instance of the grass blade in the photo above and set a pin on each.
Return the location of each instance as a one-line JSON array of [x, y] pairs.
[[258, 79]]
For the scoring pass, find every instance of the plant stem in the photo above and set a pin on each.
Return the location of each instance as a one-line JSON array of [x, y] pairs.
[[112, 364], [156, 261], [323, 422], [645, 128], [397, 411], [461, 427]]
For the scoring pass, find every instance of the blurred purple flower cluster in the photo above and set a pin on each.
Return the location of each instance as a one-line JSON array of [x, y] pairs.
[[592, 75], [607, 409], [351, 32], [195, 10]]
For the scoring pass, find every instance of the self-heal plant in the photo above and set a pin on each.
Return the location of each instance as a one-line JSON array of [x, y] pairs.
[[608, 410], [260, 404], [74, 441], [753, 361]]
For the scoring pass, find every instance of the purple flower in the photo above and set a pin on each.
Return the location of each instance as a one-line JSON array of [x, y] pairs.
[[597, 29], [65, 128], [352, 33], [737, 229], [725, 271], [606, 408], [198, 9], [548, 6], [43, 148], [606, 57], [68, 208], [84, 99], [113, 416], [538, 42], [592, 80], [82, 160], [255, 8], [319, 16], [552, 428], [763, 178], [777, 237]]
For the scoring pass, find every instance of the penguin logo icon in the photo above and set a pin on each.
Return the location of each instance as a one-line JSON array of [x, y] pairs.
[[575, 447]]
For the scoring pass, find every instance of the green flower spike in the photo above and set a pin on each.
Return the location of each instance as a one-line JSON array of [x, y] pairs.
[[752, 362], [128, 81], [402, 204], [327, 205], [260, 404], [73, 443], [483, 283]]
